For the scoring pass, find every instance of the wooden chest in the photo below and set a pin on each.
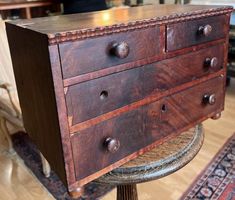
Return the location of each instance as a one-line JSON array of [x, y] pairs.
[[99, 89]]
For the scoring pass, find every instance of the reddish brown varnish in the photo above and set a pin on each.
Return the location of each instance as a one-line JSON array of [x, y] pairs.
[[188, 33], [145, 125], [96, 97], [76, 90]]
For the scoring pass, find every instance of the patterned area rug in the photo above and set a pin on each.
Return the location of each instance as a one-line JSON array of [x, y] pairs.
[[29, 153], [217, 181]]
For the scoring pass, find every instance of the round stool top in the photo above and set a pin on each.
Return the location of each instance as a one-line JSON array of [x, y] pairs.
[[160, 161]]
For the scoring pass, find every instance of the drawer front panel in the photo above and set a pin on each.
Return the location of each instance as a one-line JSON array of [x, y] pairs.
[[136, 129], [186, 34], [99, 53], [96, 97], [186, 107]]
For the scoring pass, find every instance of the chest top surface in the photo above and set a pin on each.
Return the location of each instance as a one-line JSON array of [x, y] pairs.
[[85, 25]]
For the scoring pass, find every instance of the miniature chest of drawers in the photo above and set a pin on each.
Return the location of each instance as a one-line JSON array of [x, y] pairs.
[[99, 89]]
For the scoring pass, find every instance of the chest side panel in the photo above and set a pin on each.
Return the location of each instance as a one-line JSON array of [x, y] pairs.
[[32, 70]]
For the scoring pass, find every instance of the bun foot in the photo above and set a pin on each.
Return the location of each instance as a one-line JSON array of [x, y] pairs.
[[78, 192], [216, 116]]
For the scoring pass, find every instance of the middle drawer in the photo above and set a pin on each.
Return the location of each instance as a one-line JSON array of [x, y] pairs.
[[96, 97]]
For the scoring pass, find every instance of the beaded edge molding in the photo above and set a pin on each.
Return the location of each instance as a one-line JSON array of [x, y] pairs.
[[135, 25]]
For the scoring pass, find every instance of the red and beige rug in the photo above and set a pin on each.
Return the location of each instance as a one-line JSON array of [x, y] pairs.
[[217, 181]]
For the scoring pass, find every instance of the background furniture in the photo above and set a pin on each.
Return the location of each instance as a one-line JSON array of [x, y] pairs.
[[25, 5], [10, 115], [176, 1], [231, 53], [157, 163]]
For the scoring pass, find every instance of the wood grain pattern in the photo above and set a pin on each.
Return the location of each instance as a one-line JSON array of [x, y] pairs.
[[186, 34], [139, 63], [141, 127], [115, 21], [141, 107], [14, 172], [142, 44], [62, 115], [32, 77], [172, 187], [125, 192], [87, 100], [161, 161], [145, 101]]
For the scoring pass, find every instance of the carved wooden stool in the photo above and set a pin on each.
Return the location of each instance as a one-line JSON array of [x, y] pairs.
[[159, 162]]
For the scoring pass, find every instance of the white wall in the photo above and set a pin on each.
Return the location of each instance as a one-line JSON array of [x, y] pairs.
[[6, 70]]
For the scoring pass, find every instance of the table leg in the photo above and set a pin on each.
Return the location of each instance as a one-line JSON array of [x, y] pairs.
[[28, 13], [45, 166], [127, 192]]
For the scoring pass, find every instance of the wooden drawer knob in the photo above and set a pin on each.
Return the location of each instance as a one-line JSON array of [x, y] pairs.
[[112, 144], [209, 99], [120, 50], [205, 30], [211, 62]]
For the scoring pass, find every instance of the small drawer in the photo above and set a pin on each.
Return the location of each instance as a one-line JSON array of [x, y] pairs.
[[186, 34], [108, 142], [99, 96], [90, 55], [186, 107]]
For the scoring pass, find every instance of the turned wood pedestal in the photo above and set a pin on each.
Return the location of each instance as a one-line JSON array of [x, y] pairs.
[[159, 162]]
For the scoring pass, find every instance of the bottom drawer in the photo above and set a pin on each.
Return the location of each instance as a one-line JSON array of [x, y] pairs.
[[110, 141]]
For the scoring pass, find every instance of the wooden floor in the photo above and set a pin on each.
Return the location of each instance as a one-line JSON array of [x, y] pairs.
[[17, 183]]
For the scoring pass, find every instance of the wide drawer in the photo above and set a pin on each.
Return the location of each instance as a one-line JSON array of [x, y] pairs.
[[97, 147], [96, 97], [194, 32], [89, 55]]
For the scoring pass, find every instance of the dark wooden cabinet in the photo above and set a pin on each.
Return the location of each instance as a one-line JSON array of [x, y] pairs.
[[99, 89]]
